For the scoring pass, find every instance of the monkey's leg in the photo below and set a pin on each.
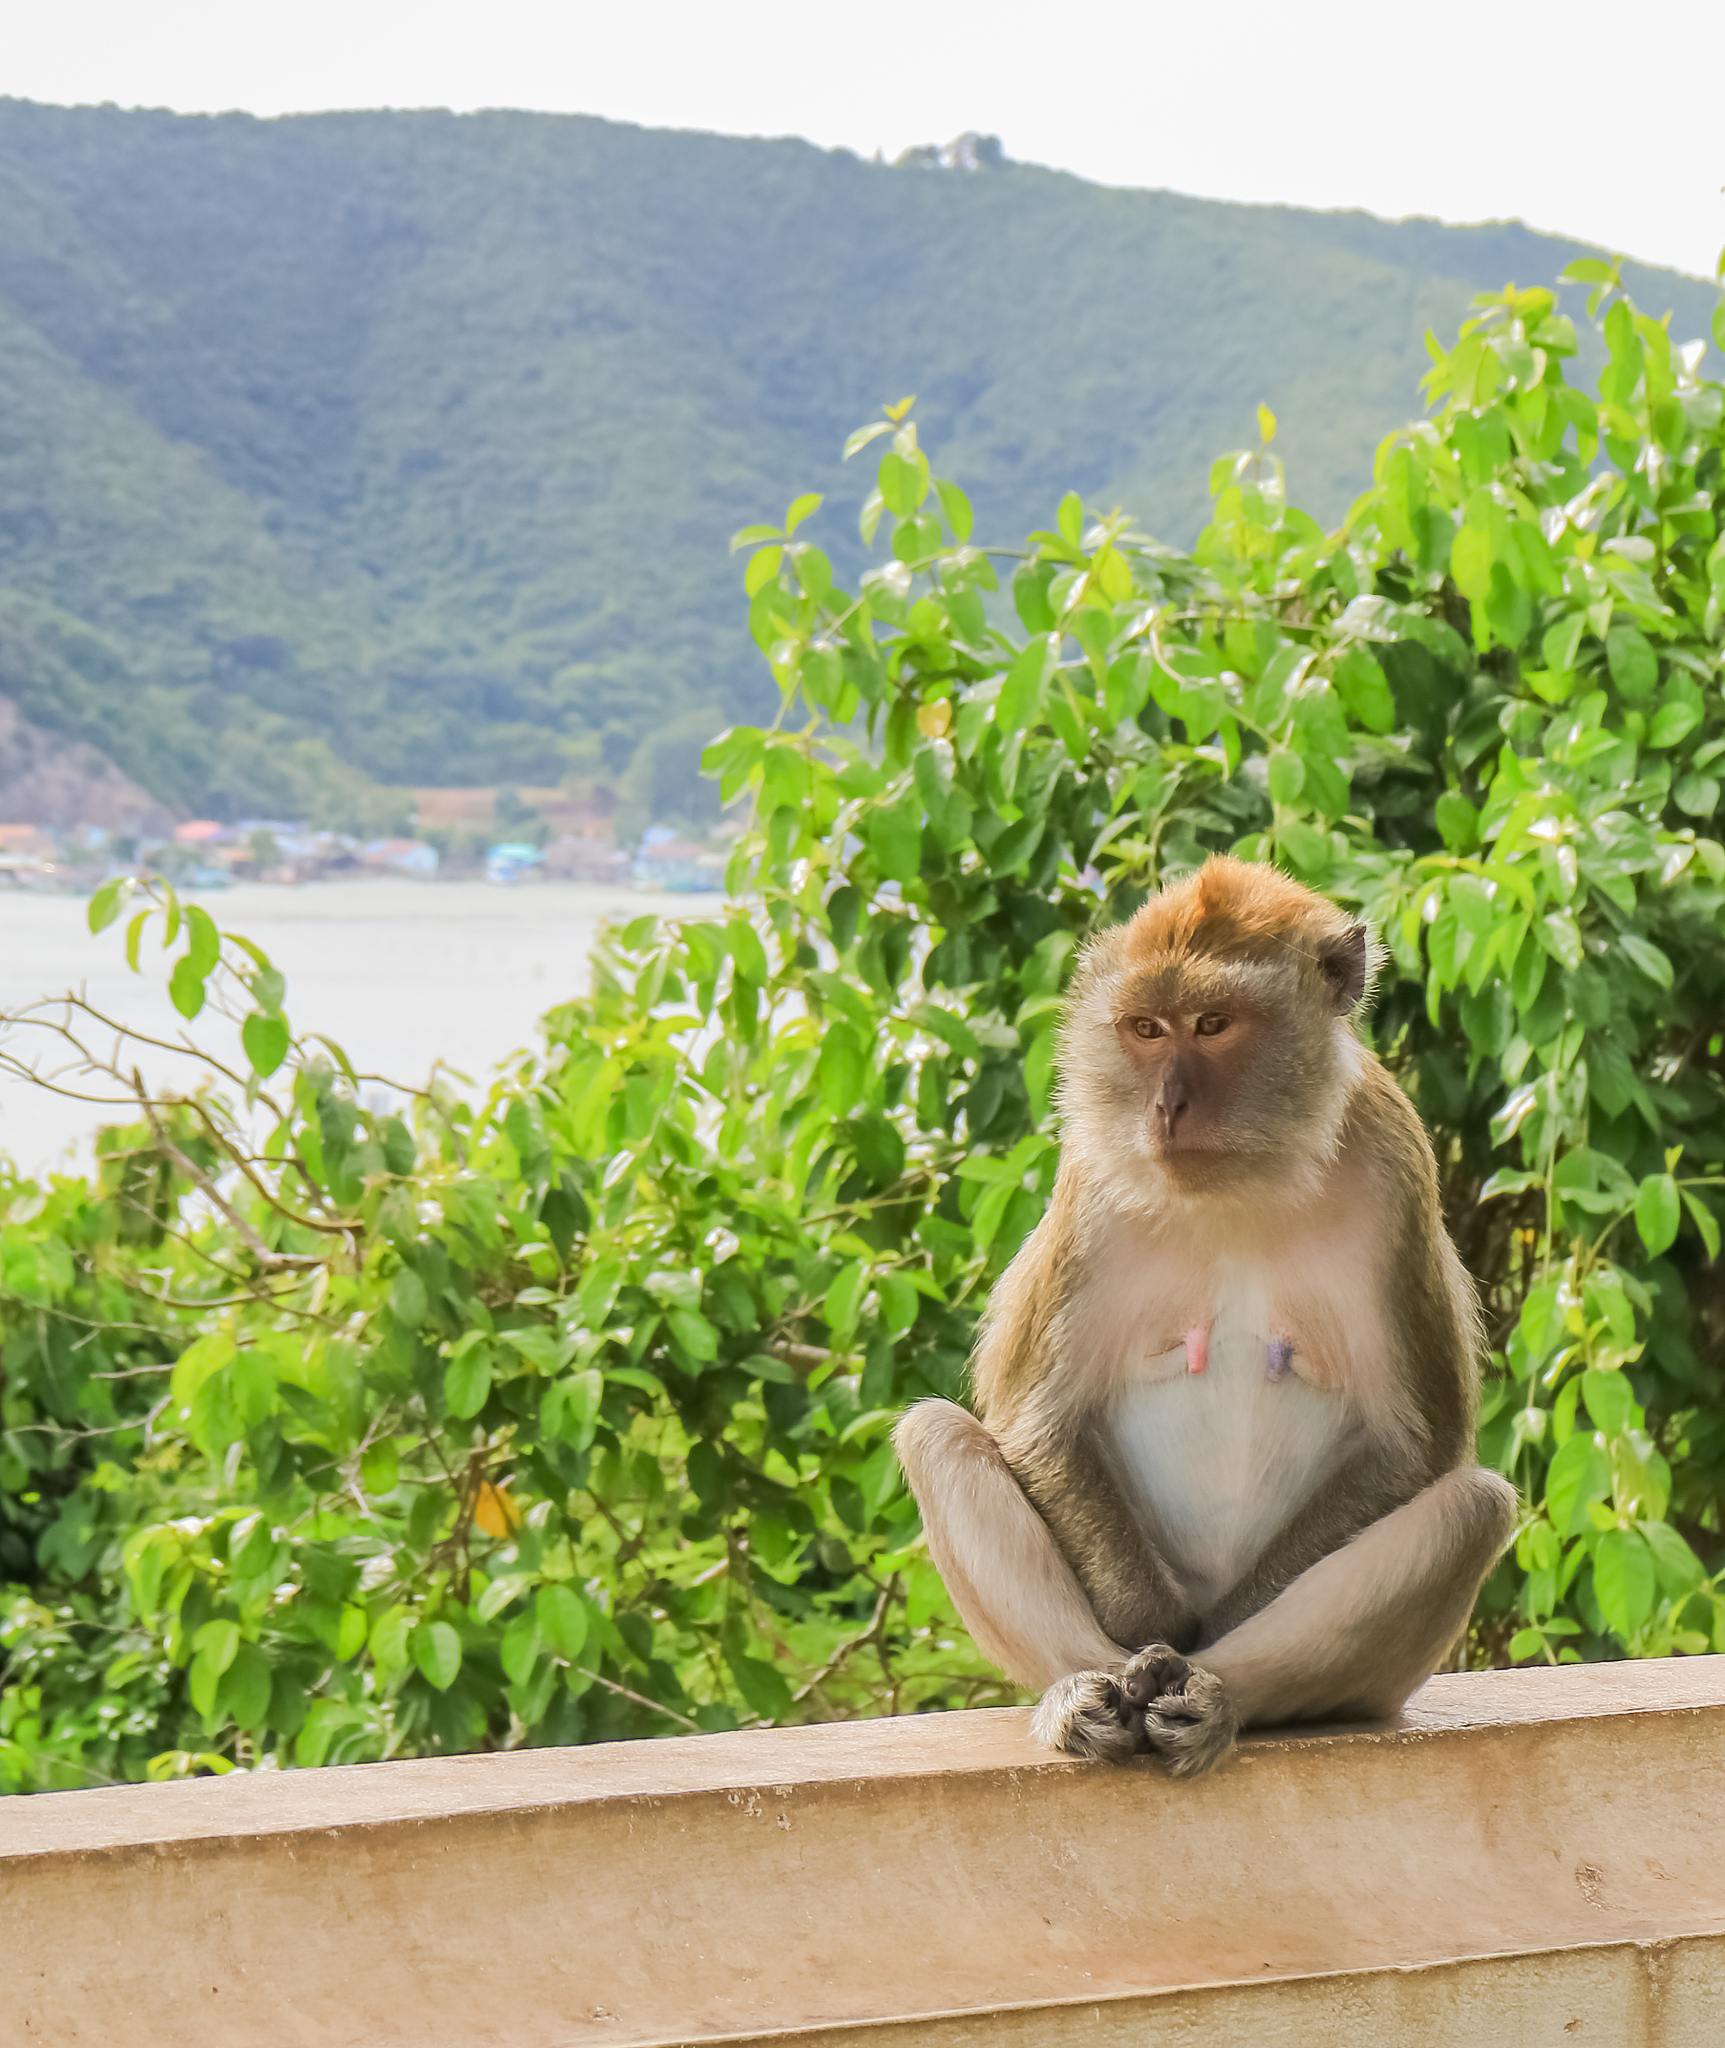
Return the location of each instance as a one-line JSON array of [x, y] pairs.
[[1016, 1593], [1356, 1632], [1007, 1578]]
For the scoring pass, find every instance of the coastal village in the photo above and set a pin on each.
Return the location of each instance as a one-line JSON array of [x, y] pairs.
[[509, 837]]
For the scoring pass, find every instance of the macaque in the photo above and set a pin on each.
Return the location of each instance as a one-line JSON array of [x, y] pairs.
[[1221, 1473]]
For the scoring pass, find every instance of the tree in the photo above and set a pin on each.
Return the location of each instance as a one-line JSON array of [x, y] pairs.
[[565, 1415]]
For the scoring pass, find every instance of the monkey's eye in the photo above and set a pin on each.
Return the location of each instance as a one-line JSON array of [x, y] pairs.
[[1147, 1027], [1212, 1024]]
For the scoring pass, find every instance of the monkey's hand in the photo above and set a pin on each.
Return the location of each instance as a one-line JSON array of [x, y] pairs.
[[1184, 1711]]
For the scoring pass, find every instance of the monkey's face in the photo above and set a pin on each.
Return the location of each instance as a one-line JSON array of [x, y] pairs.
[[1193, 1052], [1207, 1048], [1232, 1061]]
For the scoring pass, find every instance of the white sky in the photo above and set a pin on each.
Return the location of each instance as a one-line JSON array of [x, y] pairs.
[[1570, 114]]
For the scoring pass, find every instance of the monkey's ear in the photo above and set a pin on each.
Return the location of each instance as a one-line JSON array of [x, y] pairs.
[[1344, 963]]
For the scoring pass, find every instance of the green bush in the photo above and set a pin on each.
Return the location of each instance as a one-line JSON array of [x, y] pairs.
[[332, 1434]]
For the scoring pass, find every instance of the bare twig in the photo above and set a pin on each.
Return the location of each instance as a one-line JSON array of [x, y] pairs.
[[640, 1699], [260, 1251], [871, 1631], [807, 1356]]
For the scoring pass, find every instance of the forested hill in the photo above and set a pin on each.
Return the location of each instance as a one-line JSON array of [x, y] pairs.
[[411, 443]]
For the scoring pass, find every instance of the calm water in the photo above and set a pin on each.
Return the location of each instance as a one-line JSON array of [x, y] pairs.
[[402, 974]]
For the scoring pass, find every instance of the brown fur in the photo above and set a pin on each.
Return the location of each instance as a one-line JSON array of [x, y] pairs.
[[1219, 1110], [1236, 909]]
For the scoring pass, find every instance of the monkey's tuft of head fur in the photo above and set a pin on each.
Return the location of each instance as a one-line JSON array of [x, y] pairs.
[[1211, 1033]]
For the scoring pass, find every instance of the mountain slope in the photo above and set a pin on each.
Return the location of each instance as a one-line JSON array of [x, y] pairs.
[[410, 444]]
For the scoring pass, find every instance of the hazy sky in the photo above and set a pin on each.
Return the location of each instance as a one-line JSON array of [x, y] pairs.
[[1582, 117]]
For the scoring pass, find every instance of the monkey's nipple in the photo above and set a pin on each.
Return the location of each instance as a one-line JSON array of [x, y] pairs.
[[1278, 1358], [1198, 1347]]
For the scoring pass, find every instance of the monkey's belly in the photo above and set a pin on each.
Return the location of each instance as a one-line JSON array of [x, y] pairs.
[[1217, 1461]]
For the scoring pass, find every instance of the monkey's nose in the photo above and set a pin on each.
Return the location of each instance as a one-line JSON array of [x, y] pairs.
[[1176, 1100]]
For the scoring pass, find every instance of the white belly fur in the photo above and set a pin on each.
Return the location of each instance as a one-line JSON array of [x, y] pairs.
[[1219, 1460]]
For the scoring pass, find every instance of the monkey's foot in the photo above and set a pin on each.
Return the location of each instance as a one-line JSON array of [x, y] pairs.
[[1102, 1713], [1187, 1716], [1087, 1714]]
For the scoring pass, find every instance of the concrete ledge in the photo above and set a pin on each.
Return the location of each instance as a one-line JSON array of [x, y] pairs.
[[1525, 1857]]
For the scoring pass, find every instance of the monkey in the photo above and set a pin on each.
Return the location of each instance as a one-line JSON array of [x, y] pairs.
[[1221, 1470]]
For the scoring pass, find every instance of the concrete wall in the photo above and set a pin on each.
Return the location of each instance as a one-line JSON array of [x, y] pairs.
[[1527, 1857]]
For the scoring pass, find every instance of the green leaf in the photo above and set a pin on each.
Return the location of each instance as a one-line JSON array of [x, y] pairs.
[[1623, 1580], [218, 1642], [1457, 820], [437, 1652], [1679, 1570], [1030, 582], [674, 1286], [1070, 518], [1697, 795], [1021, 698], [696, 1335], [1705, 1222], [561, 1616], [203, 941], [245, 1689], [763, 1687], [903, 483], [1578, 1473], [1561, 641], [763, 567], [956, 506], [268, 985], [1647, 957], [197, 1364], [1561, 938], [408, 1300], [842, 1069], [519, 1649], [747, 951], [815, 574], [186, 987], [380, 1468], [1633, 664], [1470, 562], [265, 1038], [570, 1408], [844, 1298], [1673, 722], [1609, 1400], [467, 1381], [1363, 690], [350, 1636], [894, 834], [1658, 1212], [1287, 775], [109, 900], [862, 436]]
